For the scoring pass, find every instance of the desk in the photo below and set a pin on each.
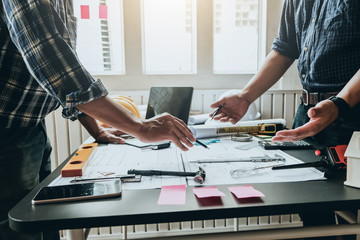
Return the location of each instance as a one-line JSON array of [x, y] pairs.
[[140, 206]]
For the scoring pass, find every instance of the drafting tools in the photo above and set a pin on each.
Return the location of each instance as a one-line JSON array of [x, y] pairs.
[[332, 157], [245, 172], [201, 144], [217, 111], [199, 176], [264, 128], [151, 146], [241, 137], [78, 162], [266, 158], [124, 178]]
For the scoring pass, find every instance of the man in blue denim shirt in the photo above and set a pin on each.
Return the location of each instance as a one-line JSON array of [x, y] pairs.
[[40, 71], [324, 36]]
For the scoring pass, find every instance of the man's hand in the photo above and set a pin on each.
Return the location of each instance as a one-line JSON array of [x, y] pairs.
[[166, 127], [110, 135], [321, 116], [234, 108]]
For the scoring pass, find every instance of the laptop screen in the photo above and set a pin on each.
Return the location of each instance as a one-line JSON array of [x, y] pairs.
[[174, 100]]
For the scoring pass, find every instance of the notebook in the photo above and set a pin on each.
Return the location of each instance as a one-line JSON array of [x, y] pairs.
[[174, 100]]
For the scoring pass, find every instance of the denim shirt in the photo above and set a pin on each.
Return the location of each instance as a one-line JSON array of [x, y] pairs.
[[39, 68], [324, 35]]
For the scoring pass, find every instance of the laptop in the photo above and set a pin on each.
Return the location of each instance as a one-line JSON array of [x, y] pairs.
[[174, 100]]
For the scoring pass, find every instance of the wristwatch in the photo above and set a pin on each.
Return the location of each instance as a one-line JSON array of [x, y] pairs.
[[343, 106]]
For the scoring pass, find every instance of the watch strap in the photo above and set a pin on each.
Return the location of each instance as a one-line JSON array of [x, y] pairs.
[[343, 106]]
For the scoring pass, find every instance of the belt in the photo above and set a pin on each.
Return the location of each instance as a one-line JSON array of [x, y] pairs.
[[312, 98]]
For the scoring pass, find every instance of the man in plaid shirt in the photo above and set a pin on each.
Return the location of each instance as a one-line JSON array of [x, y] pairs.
[[39, 71]]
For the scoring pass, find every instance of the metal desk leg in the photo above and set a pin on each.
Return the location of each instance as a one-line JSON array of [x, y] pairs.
[[75, 234]]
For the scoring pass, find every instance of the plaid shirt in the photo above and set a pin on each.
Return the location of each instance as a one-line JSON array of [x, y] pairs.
[[39, 68], [324, 35]]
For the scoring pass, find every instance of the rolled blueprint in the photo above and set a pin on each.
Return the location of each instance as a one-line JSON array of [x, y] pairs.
[[216, 128]]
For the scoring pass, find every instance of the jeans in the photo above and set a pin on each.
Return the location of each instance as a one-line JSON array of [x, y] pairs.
[[24, 162]]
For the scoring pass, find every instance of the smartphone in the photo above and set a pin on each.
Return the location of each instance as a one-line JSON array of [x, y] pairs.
[[78, 191]]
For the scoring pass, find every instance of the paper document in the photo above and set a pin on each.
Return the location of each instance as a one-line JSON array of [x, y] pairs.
[[238, 172], [198, 119], [225, 162], [116, 159]]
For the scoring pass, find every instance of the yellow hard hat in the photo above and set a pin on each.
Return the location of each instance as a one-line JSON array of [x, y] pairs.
[[127, 103]]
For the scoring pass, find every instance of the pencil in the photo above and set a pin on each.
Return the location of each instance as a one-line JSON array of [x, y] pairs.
[[216, 112], [201, 144]]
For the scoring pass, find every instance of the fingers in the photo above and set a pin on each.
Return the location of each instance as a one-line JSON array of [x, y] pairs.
[[115, 139], [218, 103], [286, 136], [168, 127], [309, 129], [107, 137], [116, 132]]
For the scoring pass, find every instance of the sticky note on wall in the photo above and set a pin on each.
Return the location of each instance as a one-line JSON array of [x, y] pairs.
[[85, 11], [103, 12]]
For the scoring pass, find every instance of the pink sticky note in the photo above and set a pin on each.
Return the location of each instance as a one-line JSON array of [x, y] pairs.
[[204, 192], [103, 12], [172, 195], [85, 11], [246, 191]]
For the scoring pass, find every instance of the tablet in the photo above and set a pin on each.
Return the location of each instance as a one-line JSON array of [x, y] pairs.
[[78, 191]]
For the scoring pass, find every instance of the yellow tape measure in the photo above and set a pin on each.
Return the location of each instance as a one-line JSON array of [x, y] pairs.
[[261, 128]]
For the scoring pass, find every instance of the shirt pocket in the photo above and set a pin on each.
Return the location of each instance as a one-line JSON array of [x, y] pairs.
[[341, 15]]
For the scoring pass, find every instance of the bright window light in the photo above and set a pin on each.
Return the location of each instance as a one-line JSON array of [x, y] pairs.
[[100, 40], [169, 36], [236, 33]]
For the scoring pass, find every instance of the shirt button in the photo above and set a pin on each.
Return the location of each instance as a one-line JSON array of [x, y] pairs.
[[313, 20], [303, 76], [305, 49]]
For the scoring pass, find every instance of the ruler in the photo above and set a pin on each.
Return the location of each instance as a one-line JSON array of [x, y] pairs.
[[78, 162]]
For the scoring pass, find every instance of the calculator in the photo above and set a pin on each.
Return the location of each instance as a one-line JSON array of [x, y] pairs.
[[300, 144]]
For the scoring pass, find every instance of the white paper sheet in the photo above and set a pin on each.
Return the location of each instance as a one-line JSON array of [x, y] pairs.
[[115, 160], [219, 173]]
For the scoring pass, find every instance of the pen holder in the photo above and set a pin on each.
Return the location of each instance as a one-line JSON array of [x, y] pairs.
[[353, 161]]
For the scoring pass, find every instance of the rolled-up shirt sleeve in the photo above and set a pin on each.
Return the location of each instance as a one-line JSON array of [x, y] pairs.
[[286, 43], [43, 40]]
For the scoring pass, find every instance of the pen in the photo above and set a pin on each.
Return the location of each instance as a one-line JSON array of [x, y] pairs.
[[201, 144], [216, 112]]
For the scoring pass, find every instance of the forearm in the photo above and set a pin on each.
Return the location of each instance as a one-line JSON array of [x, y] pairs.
[[106, 110], [351, 92], [274, 67], [90, 124]]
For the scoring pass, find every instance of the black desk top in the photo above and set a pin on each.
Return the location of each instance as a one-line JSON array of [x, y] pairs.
[[140, 206]]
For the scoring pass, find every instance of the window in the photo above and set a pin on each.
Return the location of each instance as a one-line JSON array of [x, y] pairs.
[[169, 36], [202, 43], [100, 41], [236, 34]]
